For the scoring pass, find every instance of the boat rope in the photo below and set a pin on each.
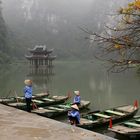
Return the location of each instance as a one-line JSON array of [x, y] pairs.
[[10, 91]]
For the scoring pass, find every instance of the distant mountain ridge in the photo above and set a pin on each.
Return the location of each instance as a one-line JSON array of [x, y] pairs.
[[55, 23]]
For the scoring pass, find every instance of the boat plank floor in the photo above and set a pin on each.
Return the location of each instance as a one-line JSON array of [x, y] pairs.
[[128, 108]]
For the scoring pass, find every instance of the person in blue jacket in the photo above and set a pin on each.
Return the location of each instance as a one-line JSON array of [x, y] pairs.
[[28, 94], [74, 115], [77, 98]]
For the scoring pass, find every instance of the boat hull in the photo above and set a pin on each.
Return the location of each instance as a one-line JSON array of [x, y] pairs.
[[22, 98], [41, 101], [129, 128], [104, 122], [60, 109]]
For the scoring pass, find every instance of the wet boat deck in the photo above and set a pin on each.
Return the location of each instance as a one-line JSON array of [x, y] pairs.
[[20, 125]]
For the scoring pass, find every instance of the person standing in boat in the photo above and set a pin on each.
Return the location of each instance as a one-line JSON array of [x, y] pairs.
[[28, 94], [77, 98], [74, 115]]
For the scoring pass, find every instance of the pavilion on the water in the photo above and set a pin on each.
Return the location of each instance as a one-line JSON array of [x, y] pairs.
[[40, 56]]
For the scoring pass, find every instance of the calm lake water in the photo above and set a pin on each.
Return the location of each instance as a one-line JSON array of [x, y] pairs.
[[95, 84]]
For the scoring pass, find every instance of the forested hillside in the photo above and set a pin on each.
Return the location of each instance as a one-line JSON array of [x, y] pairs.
[[55, 24], [4, 50]]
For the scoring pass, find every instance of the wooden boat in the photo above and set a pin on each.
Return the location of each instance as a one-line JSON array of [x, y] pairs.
[[55, 110], [129, 128], [22, 98], [45, 101], [102, 118]]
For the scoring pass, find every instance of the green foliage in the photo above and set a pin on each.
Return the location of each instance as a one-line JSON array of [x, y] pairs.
[[120, 44]]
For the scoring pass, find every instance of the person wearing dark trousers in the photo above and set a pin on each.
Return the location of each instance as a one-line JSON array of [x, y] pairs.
[[28, 94], [28, 104]]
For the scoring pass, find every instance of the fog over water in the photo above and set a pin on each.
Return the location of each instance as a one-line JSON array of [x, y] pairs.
[[56, 23]]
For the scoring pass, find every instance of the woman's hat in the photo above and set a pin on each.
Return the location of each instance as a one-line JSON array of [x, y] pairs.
[[75, 107], [28, 82], [77, 92]]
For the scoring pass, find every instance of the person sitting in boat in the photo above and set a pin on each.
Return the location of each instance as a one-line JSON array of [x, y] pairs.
[[28, 94], [74, 115], [77, 98]]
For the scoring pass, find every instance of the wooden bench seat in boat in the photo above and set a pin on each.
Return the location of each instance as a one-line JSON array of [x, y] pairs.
[[102, 115], [132, 124], [47, 99], [115, 112], [138, 120], [64, 106], [55, 108], [37, 101]]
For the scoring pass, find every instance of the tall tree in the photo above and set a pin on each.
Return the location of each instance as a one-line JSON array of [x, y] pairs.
[[120, 43]]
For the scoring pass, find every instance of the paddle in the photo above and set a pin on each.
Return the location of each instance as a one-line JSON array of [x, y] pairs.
[[34, 106]]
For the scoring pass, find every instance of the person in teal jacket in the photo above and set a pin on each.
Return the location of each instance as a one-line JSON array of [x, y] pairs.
[[28, 94], [74, 115]]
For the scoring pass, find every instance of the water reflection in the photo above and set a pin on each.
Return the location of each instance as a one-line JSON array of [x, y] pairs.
[[40, 71], [103, 90], [41, 77], [13, 76], [10, 79]]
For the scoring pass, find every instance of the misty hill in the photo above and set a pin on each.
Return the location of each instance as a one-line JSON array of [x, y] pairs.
[[55, 23], [4, 50]]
